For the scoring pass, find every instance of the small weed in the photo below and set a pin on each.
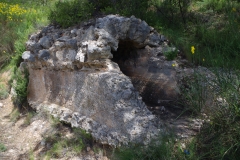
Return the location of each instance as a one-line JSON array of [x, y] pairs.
[[2, 147], [15, 115], [31, 155], [29, 117], [55, 122], [56, 150], [171, 54], [3, 91]]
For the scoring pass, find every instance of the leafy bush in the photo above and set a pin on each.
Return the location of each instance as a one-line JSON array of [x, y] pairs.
[[68, 13]]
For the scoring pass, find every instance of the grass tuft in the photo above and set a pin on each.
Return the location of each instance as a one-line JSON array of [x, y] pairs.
[[2, 147]]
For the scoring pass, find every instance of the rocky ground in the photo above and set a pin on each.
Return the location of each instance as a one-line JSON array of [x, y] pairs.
[[24, 137]]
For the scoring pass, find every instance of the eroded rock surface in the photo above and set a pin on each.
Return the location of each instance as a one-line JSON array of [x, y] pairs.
[[75, 75]]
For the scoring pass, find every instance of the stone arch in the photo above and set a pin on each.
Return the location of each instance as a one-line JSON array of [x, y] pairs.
[[137, 45]]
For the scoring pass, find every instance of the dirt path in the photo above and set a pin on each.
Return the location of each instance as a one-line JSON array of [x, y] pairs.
[[24, 138], [19, 138]]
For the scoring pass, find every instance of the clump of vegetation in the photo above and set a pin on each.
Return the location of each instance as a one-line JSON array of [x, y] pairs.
[[220, 138], [17, 20], [171, 54], [20, 87], [29, 117], [2, 147], [60, 144], [165, 147], [195, 93], [15, 115], [3, 91], [68, 13]]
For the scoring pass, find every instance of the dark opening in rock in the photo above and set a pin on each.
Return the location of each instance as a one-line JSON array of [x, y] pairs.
[[126, 53], [150, 75], [133, 62]]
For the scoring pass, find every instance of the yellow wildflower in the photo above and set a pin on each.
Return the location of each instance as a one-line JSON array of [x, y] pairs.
[[234, 9], [11, 11], [193, 49], [174, 65], [203, 59]]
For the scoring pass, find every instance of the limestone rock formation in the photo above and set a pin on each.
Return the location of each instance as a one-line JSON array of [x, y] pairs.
[[98, 77]]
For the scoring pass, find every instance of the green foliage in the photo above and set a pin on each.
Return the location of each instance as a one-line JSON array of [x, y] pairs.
[[137, 8], [68, 13], [219, 138], [17, 20], [31, 155], [194, 93], [171, 54], [165, 147], [2, 147], [15, 115], [174, 13], [28, 118], [3, 91], [219, 46], [60, 144], [20, 86]]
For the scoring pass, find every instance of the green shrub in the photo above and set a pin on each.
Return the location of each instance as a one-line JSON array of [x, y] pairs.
[[20, 87], [68, 13]]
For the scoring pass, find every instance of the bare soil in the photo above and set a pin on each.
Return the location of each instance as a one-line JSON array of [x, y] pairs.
[[24, 138]]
